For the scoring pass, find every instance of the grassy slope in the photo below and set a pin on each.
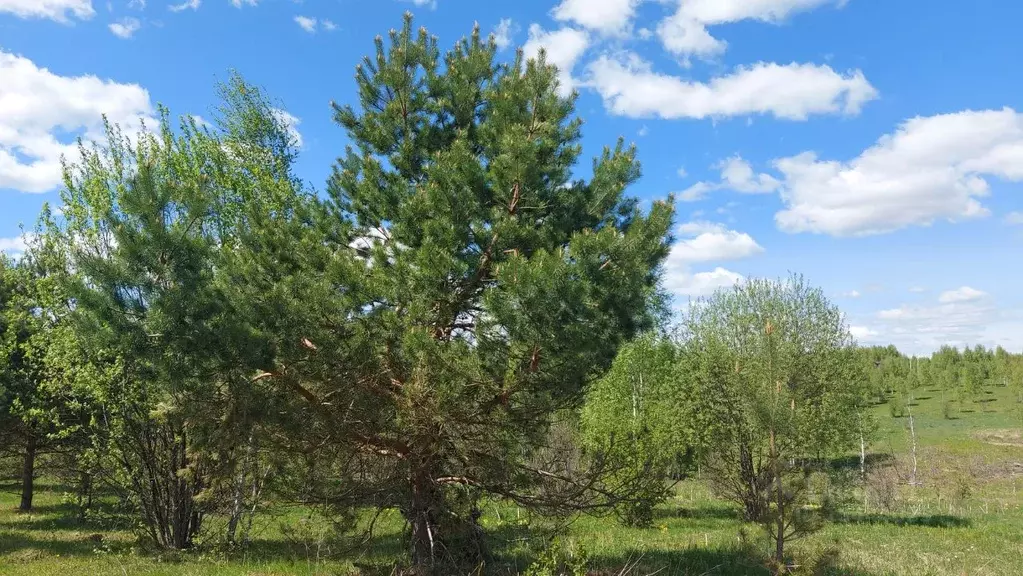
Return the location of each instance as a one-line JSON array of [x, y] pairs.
[[965, 517]]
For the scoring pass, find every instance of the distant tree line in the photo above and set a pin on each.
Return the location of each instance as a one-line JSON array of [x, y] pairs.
[[961, 377]]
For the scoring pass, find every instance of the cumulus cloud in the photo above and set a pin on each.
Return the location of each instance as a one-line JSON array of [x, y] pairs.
[[737, 175], [685, 32], [610, 17], [630, 87], [186, 5], [60, 10], [712, 242], [306, 23], [705, 242], [563, 47], [503, 33], [701, 283], [863, 333], [41, 111], [964, 294], [931, 168], [291, 122], [1014, 218], [312, 25], [15, 246], [125, 27], [921, 329], [431, 4]]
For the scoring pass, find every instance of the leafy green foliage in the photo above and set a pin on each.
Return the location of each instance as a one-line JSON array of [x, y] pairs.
[[148, 231], [778, 372], [639, 416]]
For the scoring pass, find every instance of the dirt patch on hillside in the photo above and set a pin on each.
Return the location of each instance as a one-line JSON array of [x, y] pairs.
[[1009, 437]]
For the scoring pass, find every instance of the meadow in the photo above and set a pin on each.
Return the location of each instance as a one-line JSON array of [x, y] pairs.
[[963, 516]]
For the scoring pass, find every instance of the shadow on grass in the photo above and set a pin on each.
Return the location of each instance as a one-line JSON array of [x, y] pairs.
[[702, 561], [853, 461], [50, 517], [372, 557], [14, 542], [709, 561], [701, 513], [930, 521]]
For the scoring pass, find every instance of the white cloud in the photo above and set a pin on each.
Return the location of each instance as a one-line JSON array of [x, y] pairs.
[[563, 47], [15, 246], [851, 294], [712, 242], [863, 332], [684, 36], [240, 3], [125, 27], [1014, 218], [932, 168], [186, 5], [37, 105], [705, 242], [431, 4], [59, 10], [736, 174], [610, 17], [311, 24], [306, 23], [696, 192], [631, 88], [682, 172], [201, 122], [685, 32], [701, 283], [921, 329], [291, 122], [503, 33], [964, 294], [643, 131], [917, 289]]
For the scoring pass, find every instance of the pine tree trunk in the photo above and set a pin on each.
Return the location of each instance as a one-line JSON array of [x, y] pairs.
[[28, 475], [238, 498], [779, 536], [422, 516]]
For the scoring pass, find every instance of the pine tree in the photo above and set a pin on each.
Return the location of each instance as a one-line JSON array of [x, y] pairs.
[[454, 291]]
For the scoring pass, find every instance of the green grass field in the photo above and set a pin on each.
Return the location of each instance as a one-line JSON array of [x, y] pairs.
[[964, 516]]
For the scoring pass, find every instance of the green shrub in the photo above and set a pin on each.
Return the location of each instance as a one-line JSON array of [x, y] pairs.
[[897, 406], [559, 559], [948, 410]]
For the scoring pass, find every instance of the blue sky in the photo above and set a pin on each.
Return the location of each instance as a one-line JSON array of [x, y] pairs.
[[874, 146]]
